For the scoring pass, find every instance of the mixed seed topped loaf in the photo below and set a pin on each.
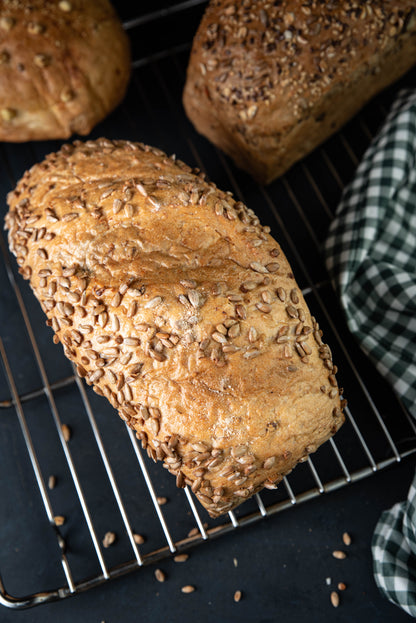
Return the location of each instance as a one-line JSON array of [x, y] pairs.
[[64, 65], [268, 81], [180, 308]]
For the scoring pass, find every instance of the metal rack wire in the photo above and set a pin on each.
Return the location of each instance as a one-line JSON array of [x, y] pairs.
[[378, 431]]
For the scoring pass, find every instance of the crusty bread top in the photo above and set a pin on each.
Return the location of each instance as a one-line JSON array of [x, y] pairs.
[[252, 53], [64, 65], [180, 308]]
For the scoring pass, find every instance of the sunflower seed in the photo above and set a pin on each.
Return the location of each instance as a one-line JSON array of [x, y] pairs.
[[154, 425], [266, 295], [246, 286], [188, 283], [154, 302], [219, 337], [234, 330], [109, 539], [335, 599], [188, 589], [257, 267], [264, 307], [281, 293], [292, 311], [94, 376], [240, 310], [144, 412], [199, 446], [102, 339], [116, 300], [332, 380], [131, 341], [160, 575], [250, 354], [141, 190], [103, 319], [294, 296], [59, 520], [138, 539], [66, 432], [221, 329], [195, 298], [269, 462]]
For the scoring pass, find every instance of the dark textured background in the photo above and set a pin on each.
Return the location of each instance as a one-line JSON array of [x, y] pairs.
[[284, 560]]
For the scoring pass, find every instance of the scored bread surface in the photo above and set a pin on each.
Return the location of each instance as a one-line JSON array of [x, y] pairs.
[[269, 81], [64, 65], [180, 308]]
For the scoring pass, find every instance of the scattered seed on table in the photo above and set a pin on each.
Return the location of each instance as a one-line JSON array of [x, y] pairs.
[[59, 520], [66, 431], [339, 554], [181, 557], [161, 500], [109, 539], [328, 581], [51, 482], [237, 596], [335, 599], [188, 589], [138, 539], [193, 532], [346, 538], [159, 575], [235, 562], [342, 586]]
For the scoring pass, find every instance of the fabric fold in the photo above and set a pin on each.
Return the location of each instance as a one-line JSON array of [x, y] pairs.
[[371, 250], [371, 257]]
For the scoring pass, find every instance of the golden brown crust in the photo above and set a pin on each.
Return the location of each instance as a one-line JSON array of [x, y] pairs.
[[180, 308], [267, 82], [64, 65]]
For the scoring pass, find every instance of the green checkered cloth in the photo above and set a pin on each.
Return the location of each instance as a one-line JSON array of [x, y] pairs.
[[371, 250], [394, 553], [371, 257]]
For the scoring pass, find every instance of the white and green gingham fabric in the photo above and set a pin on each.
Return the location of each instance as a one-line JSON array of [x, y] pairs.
[[394, 553], [371, 250], [371, 257]]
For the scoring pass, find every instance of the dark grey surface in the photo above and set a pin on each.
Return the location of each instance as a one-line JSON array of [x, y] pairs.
[[283, 561]]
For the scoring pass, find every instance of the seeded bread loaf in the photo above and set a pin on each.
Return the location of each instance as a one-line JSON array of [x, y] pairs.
[[269, 81], [180, 308], [64, 65]]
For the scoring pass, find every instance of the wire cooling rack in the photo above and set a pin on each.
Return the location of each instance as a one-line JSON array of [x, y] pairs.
[[97, 480]]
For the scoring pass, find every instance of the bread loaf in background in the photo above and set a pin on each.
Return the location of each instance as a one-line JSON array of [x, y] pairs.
[[64, 65], [269, 81], [180, 308]]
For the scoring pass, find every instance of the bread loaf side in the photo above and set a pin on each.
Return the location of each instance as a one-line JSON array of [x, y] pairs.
[[267, 82], [64, 65], [180, 308]]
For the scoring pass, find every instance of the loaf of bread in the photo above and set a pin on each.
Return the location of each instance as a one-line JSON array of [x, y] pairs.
[[269, 81], [64, 65], [181, 309]]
